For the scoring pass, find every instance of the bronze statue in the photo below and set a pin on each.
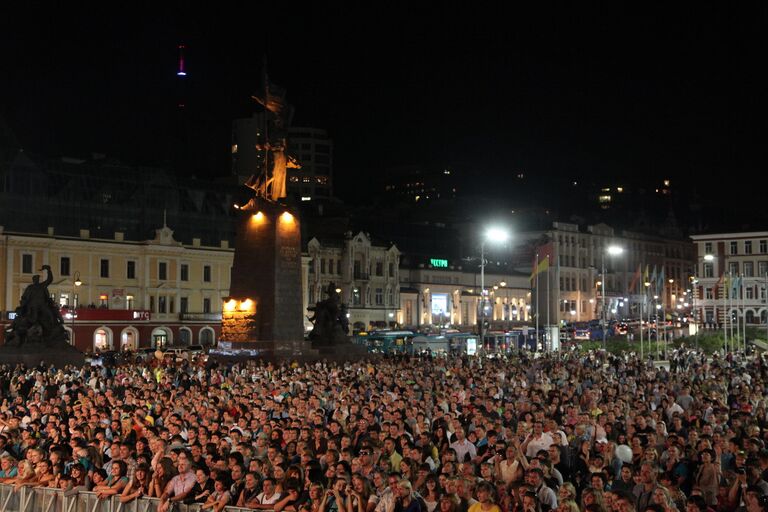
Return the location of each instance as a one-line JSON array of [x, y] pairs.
[[269, 183], [38, 319], [331, 325]]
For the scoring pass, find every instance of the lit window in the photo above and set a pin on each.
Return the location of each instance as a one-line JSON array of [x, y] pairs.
[[234, 149]]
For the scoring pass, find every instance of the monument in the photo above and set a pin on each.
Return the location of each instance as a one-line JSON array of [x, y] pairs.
[[37, 332], [331, 325], [264, 309]]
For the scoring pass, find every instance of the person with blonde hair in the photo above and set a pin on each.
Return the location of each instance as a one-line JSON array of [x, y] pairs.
[[405, 501], [485, 499]]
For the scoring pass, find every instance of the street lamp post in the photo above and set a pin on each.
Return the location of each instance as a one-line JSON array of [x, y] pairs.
[[493, 235], [612, 250], [76, 282]]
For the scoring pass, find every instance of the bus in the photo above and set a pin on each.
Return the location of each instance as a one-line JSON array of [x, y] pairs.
[[385, 341]]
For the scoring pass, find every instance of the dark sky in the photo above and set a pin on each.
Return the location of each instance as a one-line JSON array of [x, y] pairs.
[[578, 91]]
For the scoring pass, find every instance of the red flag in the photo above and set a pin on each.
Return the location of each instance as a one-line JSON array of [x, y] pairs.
[[717, 284], [544, 257]]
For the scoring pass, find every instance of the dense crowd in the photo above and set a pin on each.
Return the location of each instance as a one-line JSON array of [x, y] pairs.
[[593, 433]]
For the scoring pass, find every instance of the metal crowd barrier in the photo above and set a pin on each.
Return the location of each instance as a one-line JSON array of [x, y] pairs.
[[48, 499]]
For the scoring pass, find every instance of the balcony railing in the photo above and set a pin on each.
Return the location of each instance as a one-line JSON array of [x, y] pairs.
[[200, 317]]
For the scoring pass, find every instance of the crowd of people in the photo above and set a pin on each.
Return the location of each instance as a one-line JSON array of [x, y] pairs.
[[566, 432]]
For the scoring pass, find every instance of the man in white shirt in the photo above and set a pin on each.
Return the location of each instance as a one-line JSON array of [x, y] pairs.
[[538, 440]]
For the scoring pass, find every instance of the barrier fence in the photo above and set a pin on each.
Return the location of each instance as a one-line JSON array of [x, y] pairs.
[[47, 499]]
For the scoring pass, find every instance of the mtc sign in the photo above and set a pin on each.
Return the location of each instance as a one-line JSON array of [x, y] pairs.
[[438, 263]]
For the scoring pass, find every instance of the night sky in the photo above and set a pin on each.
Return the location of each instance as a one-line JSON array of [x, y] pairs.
[[573, 92]]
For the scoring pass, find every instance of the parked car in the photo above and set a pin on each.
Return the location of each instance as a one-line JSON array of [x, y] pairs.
[[177, 354], [197, 349]]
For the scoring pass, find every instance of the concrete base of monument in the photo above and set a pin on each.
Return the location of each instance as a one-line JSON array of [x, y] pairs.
[[301, 350], [32, 355]]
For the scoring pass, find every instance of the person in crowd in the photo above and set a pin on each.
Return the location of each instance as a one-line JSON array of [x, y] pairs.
[[219, 498], [138, 485]]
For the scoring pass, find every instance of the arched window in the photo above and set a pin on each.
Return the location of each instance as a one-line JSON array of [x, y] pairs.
[[161, 338], [129, 339], [102, 339], [185, 336], [206, 336]]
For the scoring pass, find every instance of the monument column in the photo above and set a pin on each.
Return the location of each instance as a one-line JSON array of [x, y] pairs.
[[265, 306]]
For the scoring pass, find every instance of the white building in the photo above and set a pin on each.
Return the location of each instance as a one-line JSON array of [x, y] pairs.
[[722, 258], [366, 272]]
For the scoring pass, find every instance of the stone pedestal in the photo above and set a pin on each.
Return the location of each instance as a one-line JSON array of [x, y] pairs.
[[265, 304]]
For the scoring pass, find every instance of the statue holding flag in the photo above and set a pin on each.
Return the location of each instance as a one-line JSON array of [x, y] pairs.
[[270, 181]]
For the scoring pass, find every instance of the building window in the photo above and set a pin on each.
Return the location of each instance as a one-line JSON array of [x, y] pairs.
[[184, 305], [130, 270], [171, 305], [762, 268], [322, 265], [356, 296], [206, 305], [379, 268], [162, 271], [311, 298], [104, 271], [391, 298], [733, 268], [748, 247], [708, 293], [391, 270], [734, 247], [152, 303], [26, 263], [311, 268], [749, 292], [161, 304], [763, 246], [379, 297], [184, 272], [64, 266], [709, 270], [207, 274], [749, 269], [129, 302]]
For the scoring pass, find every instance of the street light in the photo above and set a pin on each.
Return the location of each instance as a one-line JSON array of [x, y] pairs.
[[76, 283], [613, 250], [496, 235]]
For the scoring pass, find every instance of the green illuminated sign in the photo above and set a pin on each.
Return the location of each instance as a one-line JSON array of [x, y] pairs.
[[435, 262]]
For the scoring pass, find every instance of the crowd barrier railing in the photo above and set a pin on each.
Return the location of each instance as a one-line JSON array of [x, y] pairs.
[[48, 499]]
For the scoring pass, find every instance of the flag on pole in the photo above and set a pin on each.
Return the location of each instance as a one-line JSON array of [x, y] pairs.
[[654, 277], [646, 278], [660, 282], [718, 284], [635, 279], [542, 259], [726, 287], [735, 287]]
